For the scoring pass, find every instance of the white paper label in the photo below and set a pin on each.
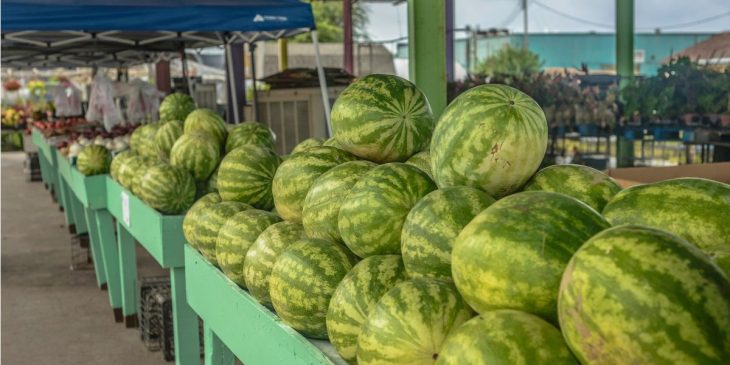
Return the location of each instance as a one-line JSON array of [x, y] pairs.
[[125, 208]]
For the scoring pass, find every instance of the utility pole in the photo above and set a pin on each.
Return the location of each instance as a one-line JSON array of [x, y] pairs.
[[524, 30]]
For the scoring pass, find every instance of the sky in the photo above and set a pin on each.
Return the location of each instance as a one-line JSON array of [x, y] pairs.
[[389, 21]]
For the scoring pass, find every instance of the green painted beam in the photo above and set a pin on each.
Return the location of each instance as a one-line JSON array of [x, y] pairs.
[[427, 50], [625, 41]]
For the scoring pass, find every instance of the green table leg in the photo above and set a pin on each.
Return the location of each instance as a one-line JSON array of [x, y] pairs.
[[216, 353], [185, 321], [110, 257], [44, 168], [127, 274], [95, 247], [78, 212], [64, 196]]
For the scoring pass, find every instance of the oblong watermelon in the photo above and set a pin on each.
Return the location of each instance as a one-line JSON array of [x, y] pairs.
[[145, 163], [169, 189], [584, 183], [117, 162], [246, 175], [191, 217], [512, 255], [198, 153], [410, 322], [176, 106], [93, 160], [382, 118], [372, 216], [492, 137], [249, 133], [166, 136], [332, 142], [128, 170], [422, 160], [142, 140], [303, 280], [307, 143], [637, 295], [210, 220], [432, 225], [208, 121]]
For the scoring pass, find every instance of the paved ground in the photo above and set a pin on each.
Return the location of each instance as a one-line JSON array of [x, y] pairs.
[[51, 315]]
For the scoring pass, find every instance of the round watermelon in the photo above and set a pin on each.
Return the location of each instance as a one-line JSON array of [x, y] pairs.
[[139, 170], [512, 254], [236, 236], [198, 153], [637, 295], [432, 226], [170, 190], [307, 143], [210, 220], [262, 255], [128, 169], [117, 162], [303, 280], [176, 106], [584, 183], [166, 136], [191, 217], [356, 295], [206, 120], [492, 137], [332, 142], [697, 210], [410, 323], [246, 175], [371, 217], [296, 175], [93, 160], [249, 133], [142, 140], [506, 337], [323, 201], [422, 160], [382, 118]]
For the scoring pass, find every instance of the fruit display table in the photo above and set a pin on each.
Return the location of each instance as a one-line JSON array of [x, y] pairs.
[[162, 236], [47, 158], [235, 324]]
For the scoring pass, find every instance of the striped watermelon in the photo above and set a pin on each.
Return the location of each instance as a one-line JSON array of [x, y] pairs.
[[637, 295], [117, 162], [356, 295], [432, 226], [165, 138], [584, 183], [512, 254], [262, 255], [332, 142], [492, 137], [303, 280], [142, 140], [323, 201], [139, 170], [297, 174], [191, 217], [422, 160], [198, 153], [93, 160], [382, 118], [246, 175], [210, 220], [506, 337], [697, 210], [212, 184], [171, 190], [307, 143], [128, 170], [236, 236], [372, 216], [206, 120], [410, 323], [249, 133], [176, 106]]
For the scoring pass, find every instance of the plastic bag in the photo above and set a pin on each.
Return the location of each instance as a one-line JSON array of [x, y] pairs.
[[67, 99], [101, 103], [143, 101]]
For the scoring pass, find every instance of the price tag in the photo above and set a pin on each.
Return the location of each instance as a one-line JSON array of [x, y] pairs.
[[125, 208]]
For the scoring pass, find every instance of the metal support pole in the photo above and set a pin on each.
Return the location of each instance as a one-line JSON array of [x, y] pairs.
[[322, 82], [449, 10], [625, 41], [233, 94], [525, 43], [252, 51], [427, 50], [347, 39], [283, 54]]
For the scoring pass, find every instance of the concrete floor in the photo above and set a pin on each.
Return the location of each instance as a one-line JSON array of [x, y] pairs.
[[50, 314]]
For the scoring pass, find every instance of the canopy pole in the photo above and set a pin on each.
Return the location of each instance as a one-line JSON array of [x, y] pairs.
[[185, 72], [322, 82], [252, 51], [231, 84]]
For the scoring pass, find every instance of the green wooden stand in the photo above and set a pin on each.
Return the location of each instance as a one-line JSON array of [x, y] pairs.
[[47, 158], [235, 324]]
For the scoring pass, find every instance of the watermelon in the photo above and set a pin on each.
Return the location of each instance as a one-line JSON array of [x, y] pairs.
[[410, 323], [512, 254], [372, 215], [492, 137], [128, 169], [303, 280], [506, 337], [236, 236], [191, 217], [432, 226], [117, 162], [176, 106], [198, 153], [297, 174], [145, 163], [382, 118], [356, 295], [142, 140], [171, 190], [323, 201], [262, 255], [697, 210], [246, 175], [332, 142], [422, 160], [307, 143], [206, 120], [638, 295], [584, 183], [93, 160], [249, 133], [210, 220], [165, 138]]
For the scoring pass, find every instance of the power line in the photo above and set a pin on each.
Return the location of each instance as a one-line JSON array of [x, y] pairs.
[[694, 22], [571, 17]]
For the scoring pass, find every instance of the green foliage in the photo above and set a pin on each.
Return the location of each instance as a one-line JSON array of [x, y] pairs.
[[514, 62], [330, 25]]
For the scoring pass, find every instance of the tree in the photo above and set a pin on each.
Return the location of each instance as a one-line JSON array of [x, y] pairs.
[[330, 24], [512, 62]]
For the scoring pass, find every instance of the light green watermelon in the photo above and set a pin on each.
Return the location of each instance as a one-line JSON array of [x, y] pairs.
[[176, 106], [142, 140], [422, 160], [492, 137], [93, 160], [198, 153], [322, 203], [262, 255], [128, 170], [584, 183], [506, 337], [140, 169], [117, 162], [697, 210], [249, 133], [246, 175], [371, 217], [410, 322], [307, 143], [303, 280], [432, 225], [637, 295], [191, 217], [296, 175], [210, 220], [236, 236], [356, 295], [382, 118], [206, 120], [169, 189], [166, 137], [512, 254], [332, 142]]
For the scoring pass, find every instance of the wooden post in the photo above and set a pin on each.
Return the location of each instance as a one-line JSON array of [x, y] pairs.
[[427, 50]]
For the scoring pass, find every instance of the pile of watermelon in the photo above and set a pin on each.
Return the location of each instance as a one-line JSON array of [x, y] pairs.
[[407, 239]]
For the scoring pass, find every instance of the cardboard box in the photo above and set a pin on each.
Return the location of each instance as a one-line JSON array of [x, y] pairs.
[[630, 176]]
